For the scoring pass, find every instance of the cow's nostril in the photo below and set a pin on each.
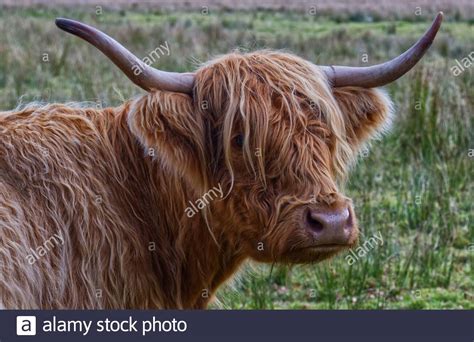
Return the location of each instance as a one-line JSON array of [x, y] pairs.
[[350, 222], [313, 222]]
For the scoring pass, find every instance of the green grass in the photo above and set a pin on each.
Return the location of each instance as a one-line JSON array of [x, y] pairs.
[[415, 186]]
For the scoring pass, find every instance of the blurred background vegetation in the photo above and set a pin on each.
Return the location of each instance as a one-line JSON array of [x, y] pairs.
[[415, 186]]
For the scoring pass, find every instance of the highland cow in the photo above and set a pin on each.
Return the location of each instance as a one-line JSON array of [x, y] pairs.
[[275, 132]]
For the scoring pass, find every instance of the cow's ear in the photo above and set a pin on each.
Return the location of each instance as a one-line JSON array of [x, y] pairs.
[[366, 112], [166, 125]]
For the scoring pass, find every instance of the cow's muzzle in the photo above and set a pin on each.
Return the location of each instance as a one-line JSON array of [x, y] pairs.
[[331, 227]]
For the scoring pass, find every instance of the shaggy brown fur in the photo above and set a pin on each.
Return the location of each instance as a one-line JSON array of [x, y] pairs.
[[115, 183]]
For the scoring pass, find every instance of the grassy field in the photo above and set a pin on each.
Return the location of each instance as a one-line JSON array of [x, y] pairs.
[[414, 187]]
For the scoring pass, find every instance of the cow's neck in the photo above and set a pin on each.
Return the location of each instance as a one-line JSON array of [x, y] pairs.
[[188, 263], [208, 265]]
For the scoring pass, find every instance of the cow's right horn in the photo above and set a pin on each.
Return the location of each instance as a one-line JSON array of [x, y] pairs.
[[136, 70]]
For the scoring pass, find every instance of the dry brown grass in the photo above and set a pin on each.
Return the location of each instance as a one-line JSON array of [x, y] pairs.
[[400, 8]]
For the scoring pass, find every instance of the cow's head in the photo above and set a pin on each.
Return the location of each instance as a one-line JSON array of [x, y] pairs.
[[275, 132]]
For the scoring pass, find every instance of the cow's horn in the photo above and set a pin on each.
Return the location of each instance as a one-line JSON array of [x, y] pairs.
[[136, 70], [381, 74]]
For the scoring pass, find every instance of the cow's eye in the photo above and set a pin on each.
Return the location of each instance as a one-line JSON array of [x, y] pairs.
[[239, 140]]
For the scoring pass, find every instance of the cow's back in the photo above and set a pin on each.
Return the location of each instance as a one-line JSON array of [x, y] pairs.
[[65, 237]]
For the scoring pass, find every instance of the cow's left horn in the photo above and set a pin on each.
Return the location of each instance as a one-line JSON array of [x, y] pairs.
[[138, 72], [381, 74]]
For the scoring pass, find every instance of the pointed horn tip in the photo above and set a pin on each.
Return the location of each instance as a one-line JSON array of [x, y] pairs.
[[434, 28], [62, 23], [439, 18], [69, 25]]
